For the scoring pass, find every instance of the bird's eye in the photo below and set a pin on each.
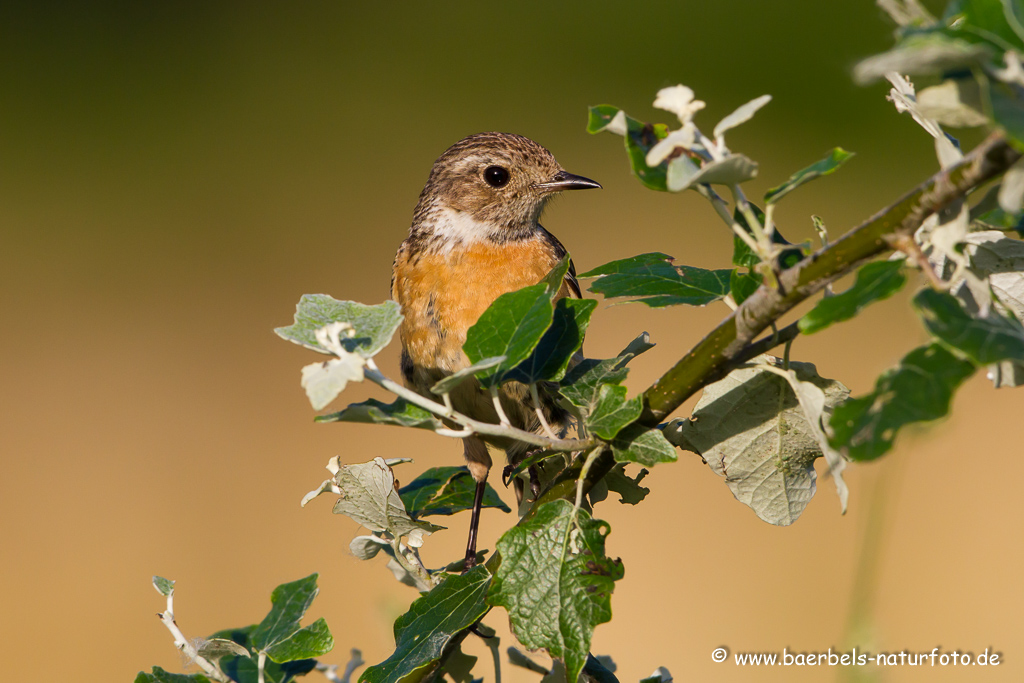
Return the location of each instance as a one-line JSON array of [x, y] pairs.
[[496, 176]]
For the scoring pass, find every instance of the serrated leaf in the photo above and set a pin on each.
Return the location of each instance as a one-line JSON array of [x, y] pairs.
[[629, 489], [919, 389], [556, 582], [374, 325], [432, 620], [826, 166], [743, 285], [512, 326], [611, 411], [245, 669], [445, 491], [279, 634], [875, 281], [581, 384], [453, 380], [163, 586], [160, 676], [369, 497], [550, 359], [642, 445], [655, 281], [401, 413], [312, 641], [984, 340], [751, 429]]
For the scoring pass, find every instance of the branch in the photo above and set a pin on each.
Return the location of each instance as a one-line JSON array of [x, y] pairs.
[[723, 348]]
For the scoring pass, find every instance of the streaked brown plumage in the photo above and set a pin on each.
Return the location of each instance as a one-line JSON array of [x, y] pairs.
[[474, 237]]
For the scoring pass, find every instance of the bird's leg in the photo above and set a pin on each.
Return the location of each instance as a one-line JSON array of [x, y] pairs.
[[474, 525], [479, 462]]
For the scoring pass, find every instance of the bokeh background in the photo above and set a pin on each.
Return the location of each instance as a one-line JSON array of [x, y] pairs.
[[173, 176]]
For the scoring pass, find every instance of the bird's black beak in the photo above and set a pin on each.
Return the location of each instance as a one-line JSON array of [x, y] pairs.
[[563, 180]]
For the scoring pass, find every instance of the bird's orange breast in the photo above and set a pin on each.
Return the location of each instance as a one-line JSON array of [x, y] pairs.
[[443, 294]]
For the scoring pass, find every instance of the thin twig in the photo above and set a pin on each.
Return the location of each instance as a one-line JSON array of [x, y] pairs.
[[535, 395]]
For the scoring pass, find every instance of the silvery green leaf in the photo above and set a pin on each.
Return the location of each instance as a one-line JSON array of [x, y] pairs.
[[751, 429], [366, 547], [373, 325], [987, 339], [931, 54], [324, 381], [1000, 259], [944, 103], [732, 170], [681, 172], [1011, 190], [742, 114], [453, 380], [215, 648], [369, 497]]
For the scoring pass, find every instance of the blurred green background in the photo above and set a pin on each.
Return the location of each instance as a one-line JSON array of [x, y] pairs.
[[173, 176]]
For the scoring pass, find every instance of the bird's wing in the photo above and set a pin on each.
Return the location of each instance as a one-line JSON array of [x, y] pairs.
[[570, 281]]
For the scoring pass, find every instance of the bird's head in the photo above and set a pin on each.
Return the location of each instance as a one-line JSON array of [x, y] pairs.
[[499, 180]]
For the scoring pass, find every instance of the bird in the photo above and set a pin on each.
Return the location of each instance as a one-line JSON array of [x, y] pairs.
[[475, 235]]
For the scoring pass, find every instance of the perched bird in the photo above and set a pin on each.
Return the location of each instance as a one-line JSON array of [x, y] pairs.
[[474, 237]]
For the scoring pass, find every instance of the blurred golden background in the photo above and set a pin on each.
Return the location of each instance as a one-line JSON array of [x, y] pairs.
[[173, 176]]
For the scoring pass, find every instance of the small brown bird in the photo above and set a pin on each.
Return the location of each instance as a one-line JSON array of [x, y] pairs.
[[474, 237]]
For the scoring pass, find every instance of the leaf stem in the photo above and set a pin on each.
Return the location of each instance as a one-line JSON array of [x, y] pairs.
[[182, 643], [373, 373]]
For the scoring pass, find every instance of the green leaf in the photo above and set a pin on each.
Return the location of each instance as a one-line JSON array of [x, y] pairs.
[[638, 137], [215, 648], [932, 52], [163, 586], [629, 489], [742, 286], [639, 444], [445, 491], [655, 281], [875, 281], [161, 676], [556, 582], [582, 384], [828, 165], [600, 117], [987, 19], [612, 411], [919, 389], [512, 326], [550, 359], [401, 413], [279, 634], [312, 641], [246, 670], [374, 325], [986, 340], [432, 620]]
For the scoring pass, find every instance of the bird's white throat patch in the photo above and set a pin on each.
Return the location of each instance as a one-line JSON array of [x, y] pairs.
[[459, 228]]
